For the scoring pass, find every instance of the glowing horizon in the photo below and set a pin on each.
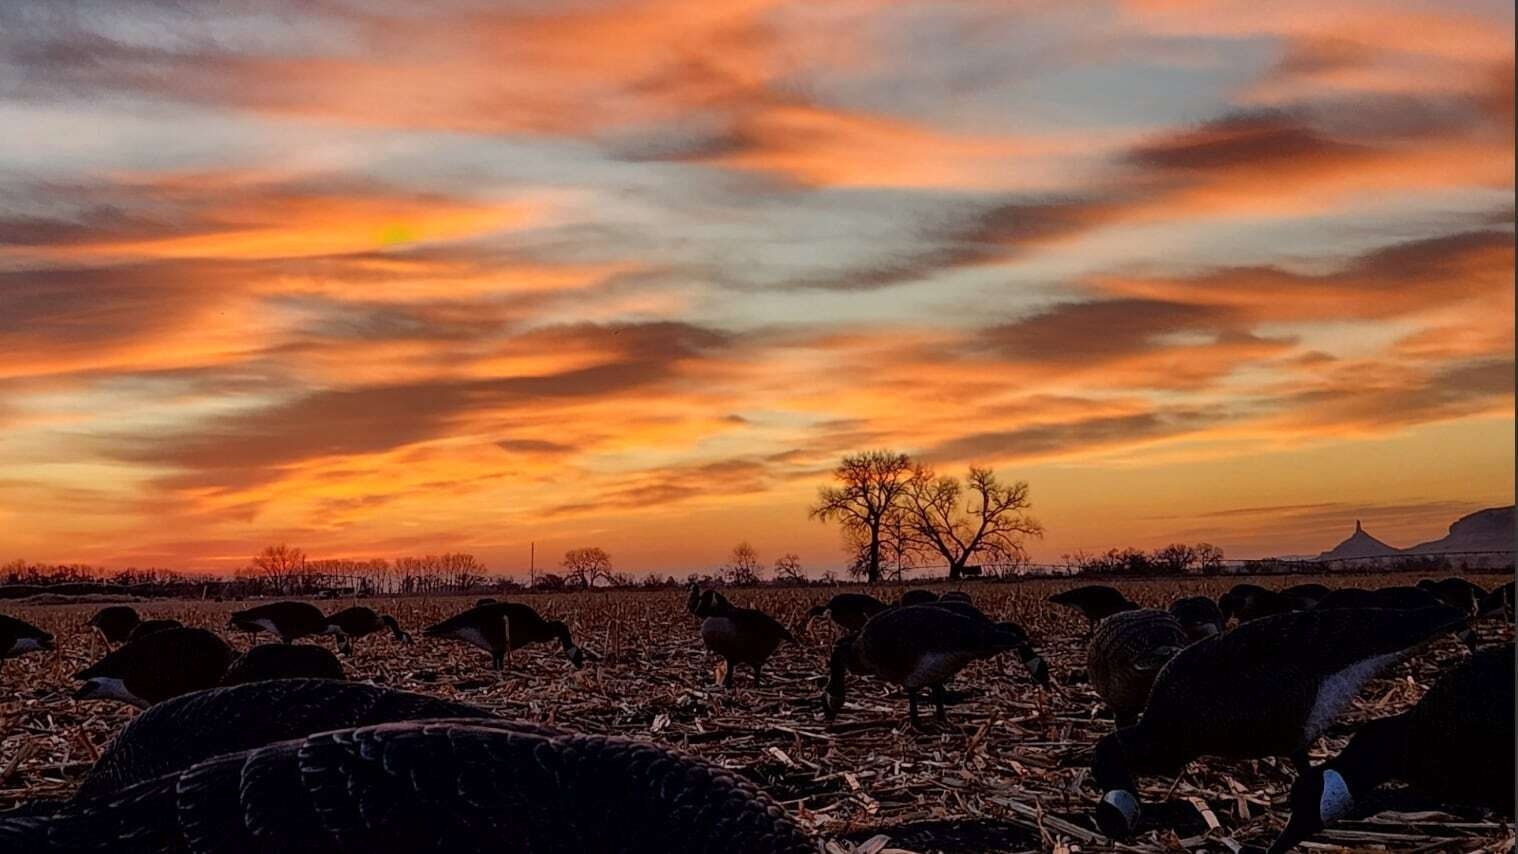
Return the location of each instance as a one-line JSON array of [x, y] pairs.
[[395, 280]]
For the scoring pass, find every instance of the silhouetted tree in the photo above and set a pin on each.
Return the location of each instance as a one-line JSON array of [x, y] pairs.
[[959, 520], [1209, 558], [742, 565], [871, 485], [282, 565], [1176, 557], [583, 566], [788, 568]]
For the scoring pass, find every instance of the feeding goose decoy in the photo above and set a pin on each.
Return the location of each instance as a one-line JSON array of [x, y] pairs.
[[177, 733], [1199, 616], [502, 627], [358, 621], [848, 610], [1268, 688], [113, 623], [287, 620], [1038, 668], [917, 597], [1125, 654], [283, 661], [18, 637], [1095, 601], [1455, 746], [1245, 602], [739, 635], [156, 667], [916, 647], [429, 786]]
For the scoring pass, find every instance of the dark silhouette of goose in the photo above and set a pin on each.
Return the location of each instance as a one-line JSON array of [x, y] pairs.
[[1268, 688], [283, 661], [1455, 592], [147, 627], [156, 667], [1245, 602], [114, 623], [429, 786], [358, 622], [1397, 598], [286, 620], [917, 597], [18, 637], [1455, 746], [700, 602], [1199, 616], [1307, 595], [848, 610], [1095, 601], [916, 647], [1125, 655], [955, 596], [1498, 601], [739, 635], [1038, 668], [177, 733], [501, 627]]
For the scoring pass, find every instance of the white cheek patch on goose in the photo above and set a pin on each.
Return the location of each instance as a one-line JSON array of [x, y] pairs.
[[1336, 690], [1125, 803], [111, 688], [267, 625], [25, 645], [1335, 800]]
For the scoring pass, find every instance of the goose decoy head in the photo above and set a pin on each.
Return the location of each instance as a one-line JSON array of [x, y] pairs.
[[1319, 796], [838, 663]]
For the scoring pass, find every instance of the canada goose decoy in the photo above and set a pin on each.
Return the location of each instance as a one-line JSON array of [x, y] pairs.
[[1307, 595], [358, 621], [156, 667], [1245, 602], [429, 786], [848, 610], [286, 620], [916, 647], [506, 626], [1498, 601], [177, 733], [1038, 668], [114, 623], [147, 627], [1396, 598], [1455, 592], [1095, 601], [1455, 746], [1199, 616], [1126, 653], [917, 597], [18, 637], [1268, 688], [740, 635], [283, 661], [699, 602]]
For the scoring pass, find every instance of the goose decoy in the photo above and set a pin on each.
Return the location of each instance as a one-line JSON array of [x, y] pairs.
[[1498, 601], [114, 623], [698, 601], [358, 621], [1268, 688], [177, 733], [18, 637], [1455, 592], [1199, 616], [1455, 746], [156, 667], [917, 597], [916, 647], [955, 596], [848, 610], [429, 786], [1125, 654], [506, 626], [1396, 598], [1095, 601], [1038, 668], [740, 635], [1307, 595], [147, 627], [1245, 602], [283, 661], [287, 620]]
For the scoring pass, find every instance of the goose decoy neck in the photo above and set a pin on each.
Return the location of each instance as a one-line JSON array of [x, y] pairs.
[[574, 653], [838, 667], [395, 628], [1116, 758], [1324, 794]]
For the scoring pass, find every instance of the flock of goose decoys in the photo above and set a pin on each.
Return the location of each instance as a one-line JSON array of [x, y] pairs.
[[273, 750]]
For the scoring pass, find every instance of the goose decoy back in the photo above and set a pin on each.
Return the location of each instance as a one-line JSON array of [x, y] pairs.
[[1095, 601], [283, 661], [1125, 655], [156, 667], [286, 620]]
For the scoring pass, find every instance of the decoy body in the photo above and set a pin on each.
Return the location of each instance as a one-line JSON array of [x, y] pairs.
[[1498, 601], [848, 610], [147, 627], [505, 626], [1268, 688], [1455, 746], [740, 635], [115, 622], [1245, 602], [1307, 595], [1125, 655], [1397, 598], [283, 661], [287, 620], [917, 597], [177, 733], [1095, 601], [156, 667], [18, 637], [916, 647], [1455, 592], [359, 621], [420, 786], [1038, 668], [1199, 616]]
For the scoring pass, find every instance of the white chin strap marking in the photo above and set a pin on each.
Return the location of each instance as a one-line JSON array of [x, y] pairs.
[[1336, 799], [1124, 802]]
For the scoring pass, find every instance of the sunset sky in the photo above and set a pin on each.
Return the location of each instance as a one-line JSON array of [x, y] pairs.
[[388, 278]]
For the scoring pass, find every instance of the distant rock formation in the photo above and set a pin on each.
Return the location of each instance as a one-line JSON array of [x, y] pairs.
[[1359, 545], [1489, 530]]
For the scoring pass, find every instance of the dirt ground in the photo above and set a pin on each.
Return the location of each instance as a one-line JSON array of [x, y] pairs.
[[1008, 773]]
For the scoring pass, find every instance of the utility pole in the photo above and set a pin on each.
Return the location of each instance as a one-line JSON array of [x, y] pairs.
[[532, 564]]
